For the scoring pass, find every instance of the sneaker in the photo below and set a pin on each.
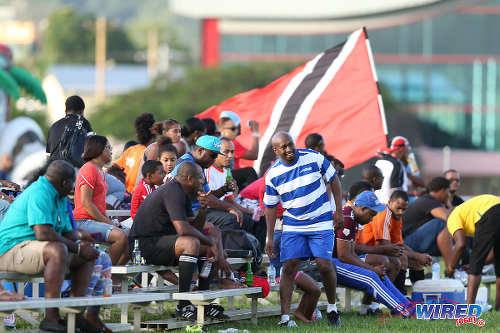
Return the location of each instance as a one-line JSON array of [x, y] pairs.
[[215, 311], [333, 318], [287, 323], [188, 312]]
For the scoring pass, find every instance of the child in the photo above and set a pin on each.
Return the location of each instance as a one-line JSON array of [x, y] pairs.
[[152, 177], [168, 157]]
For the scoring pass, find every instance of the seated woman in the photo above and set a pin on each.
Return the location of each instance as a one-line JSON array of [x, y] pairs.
[[90, 199]]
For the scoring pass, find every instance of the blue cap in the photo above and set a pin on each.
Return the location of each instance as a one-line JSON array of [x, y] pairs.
[[231, 115], [209, 142], [370, 200]]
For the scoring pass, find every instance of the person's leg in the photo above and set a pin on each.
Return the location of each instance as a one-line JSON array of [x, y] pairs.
[[103, 263], [290, 268], [309, 299], [119, 246], [221, 219], [445, 245], [55, 256], [187, 250]]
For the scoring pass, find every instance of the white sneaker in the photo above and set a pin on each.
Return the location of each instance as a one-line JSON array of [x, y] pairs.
[[287, 323]]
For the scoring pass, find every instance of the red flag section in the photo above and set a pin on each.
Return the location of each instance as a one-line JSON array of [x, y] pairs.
[[335, 95]]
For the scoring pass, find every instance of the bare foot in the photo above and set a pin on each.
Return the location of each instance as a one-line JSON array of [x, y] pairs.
[[300, 316], [94, 319], [6, 296], [230, 284], [170, 277]]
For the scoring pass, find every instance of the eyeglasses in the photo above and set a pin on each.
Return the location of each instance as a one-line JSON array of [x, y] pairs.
[[454, 180], [234, 128]]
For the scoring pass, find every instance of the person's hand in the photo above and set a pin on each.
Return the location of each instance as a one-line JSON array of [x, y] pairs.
[[203, 198], [239, 215], [212, 251], [7, 183], [465, 268], [270, 247], [338, 219], [380, 270], [88, 252], [6, 296], [224, 266], [392, 249], [254, 126], [234, 189], [424, 259], [449, 272], [85, 236]]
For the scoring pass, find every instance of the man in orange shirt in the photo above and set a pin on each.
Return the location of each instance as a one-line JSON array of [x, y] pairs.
[[386, 228]]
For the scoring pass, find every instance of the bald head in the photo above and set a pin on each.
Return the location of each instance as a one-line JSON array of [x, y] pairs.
[[280, 137], [61, 175], [373, 175], [190, 176], [284, 147]]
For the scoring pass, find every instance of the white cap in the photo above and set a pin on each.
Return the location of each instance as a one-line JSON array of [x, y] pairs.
[[231, 115]]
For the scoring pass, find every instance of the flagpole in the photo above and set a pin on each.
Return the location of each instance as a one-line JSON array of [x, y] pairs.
[[375, 78]]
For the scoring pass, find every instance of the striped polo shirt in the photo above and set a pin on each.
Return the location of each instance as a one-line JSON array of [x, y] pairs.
[[301, 189]]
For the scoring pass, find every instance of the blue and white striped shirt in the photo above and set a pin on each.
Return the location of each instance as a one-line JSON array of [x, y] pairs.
[[301, 189]]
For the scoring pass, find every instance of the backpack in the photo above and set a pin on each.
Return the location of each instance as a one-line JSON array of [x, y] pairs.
[[70, 147], [397, 175], [233, 239]]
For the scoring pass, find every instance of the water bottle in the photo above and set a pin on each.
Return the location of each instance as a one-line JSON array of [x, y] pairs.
[[271, 275], [436, 270], [108, 286]]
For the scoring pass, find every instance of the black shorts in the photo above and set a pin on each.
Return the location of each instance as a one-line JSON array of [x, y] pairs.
[[158, 250], [486, 237]]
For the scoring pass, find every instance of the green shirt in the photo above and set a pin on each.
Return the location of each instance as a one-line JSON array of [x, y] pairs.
[[40, 203]]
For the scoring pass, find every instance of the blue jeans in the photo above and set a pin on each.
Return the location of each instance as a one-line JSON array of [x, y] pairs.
[[423, 240]]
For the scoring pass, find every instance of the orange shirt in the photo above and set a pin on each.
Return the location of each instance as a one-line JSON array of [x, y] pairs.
[[383, 226], [131, 161]]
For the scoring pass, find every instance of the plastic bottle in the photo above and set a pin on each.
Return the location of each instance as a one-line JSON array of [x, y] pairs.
[[436, 270], [249, 275], [271, 275], [108, 286], [257, 213], [136, 254], [412, 162]]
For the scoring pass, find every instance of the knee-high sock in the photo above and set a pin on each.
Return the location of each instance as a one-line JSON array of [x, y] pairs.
[[187, 263], [416, 275], [399, 282]]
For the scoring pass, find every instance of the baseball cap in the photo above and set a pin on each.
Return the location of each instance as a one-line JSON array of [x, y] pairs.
[[399, 141], [209, 142], [231, 115], [369, 199]]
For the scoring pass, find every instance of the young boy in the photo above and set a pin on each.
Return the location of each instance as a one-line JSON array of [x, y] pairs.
[[152, 177], [168, 158]]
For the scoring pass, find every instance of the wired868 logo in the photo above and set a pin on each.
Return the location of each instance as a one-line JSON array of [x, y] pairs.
[[462, 313]]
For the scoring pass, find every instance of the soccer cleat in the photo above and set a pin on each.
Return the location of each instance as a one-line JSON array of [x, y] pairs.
[[287, 323], [215, 311], [333, 318], [188, 312]]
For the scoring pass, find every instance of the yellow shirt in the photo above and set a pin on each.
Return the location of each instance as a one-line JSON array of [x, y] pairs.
[[466, 215]]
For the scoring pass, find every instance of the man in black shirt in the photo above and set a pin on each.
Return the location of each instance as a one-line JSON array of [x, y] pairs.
[[454, 177], [74, 112], [169, 235], [424, 223]]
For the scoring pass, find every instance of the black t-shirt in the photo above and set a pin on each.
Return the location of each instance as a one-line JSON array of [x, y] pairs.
[[456, 200], [156, 213], [57, 129], [418, 213]]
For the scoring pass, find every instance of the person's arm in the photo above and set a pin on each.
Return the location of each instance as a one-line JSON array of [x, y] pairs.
[[270, 223], [90, 207], [423, 259], [440, 213], [458, 250], [384, 243], [253, 152], [416, 180], [199, 221], [214, 202], [184, 228], [337, 196], [387, 249], [6, 183], [346, 254], [151, 152], [181, 148], [238, 206]]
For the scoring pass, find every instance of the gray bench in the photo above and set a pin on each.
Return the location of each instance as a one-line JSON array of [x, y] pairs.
[[73, 305]]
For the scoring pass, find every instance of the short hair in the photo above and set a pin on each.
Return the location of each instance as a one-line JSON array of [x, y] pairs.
[[143, 124], [313, 140], [74, 104], [94, 146], [150, 166], [129, 144], [117, 172], [188, 168], [164, 125], [191, 125], [357, 188], [369, 171], [448, 171], [399, 194], [437, 184], [167, 147], [210, 126]]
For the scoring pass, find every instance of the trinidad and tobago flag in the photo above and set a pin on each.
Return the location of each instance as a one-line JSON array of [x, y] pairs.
[[335, 94]]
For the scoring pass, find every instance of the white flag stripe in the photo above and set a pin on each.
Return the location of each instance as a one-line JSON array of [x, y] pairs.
[[280, 105], [382, 113], [370, 56], [306, 107]]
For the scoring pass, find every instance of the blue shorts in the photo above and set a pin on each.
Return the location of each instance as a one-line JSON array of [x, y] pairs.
[[317, 244], [100, 231]]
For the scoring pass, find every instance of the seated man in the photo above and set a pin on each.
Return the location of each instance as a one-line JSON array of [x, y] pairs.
[[424, 224], [169, 235], [479, 218], [385, 228], [38, 229], [356, 272], [216, 176]]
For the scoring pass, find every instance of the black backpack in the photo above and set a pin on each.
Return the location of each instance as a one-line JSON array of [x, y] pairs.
[[70, 147], [233, 239]]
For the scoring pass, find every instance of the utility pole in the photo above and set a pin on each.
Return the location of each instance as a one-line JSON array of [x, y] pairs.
[[153, 53], [100, 58]]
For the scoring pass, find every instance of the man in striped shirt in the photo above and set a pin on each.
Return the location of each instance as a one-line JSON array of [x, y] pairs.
[[297, 180]]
